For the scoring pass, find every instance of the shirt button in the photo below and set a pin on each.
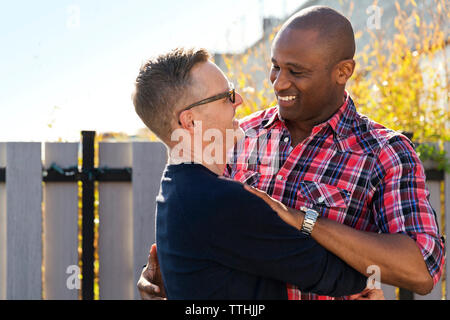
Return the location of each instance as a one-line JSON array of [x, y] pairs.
[[286, 139], [280, 177], [321, 199]]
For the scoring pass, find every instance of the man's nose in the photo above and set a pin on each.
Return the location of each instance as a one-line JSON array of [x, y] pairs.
[[238, 100], [280, 82]]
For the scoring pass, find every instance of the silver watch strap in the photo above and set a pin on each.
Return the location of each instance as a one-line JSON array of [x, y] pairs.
[[309, 221]]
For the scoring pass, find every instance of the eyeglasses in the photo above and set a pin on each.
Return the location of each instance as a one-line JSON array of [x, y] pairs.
[[230, 94]]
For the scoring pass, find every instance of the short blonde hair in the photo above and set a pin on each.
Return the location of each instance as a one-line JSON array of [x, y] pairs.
[[161, 83]]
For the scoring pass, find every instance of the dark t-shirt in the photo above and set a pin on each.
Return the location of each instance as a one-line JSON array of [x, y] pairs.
[[218, 241]]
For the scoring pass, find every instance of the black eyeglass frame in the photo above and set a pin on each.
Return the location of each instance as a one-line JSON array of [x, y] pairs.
[[231, 94]]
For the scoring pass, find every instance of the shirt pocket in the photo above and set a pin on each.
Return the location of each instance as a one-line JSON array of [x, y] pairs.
[[330, 201], [248, 177]]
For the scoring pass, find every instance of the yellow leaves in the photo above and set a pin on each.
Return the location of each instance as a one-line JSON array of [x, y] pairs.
[[271, 36], [417, 18], [392, 83], [439, 8], [245, 58], [397, 23]]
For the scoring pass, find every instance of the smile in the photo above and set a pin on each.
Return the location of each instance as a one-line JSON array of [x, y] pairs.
[[287, 98]]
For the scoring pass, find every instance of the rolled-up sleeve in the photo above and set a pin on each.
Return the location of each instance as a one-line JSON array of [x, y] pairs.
[[401, 202]]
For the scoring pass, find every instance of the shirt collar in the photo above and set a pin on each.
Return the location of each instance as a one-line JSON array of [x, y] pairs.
[[341, 122], [275, 116]]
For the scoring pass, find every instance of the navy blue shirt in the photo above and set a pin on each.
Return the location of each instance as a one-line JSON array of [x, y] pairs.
[[218, 241]]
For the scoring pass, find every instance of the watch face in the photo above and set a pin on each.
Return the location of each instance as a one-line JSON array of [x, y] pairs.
[[309, 221], [312, 213]]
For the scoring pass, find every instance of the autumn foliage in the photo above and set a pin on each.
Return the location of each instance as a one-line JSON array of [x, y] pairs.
[[401, 79]]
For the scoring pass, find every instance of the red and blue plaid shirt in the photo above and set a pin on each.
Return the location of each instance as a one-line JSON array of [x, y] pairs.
[[350, 169]]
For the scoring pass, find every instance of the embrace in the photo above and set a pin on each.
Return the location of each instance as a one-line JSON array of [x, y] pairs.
[[298, 201]]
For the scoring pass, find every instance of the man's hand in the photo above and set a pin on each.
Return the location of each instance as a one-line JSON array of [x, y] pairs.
[[290, 216], [150, 284], [368, 294]]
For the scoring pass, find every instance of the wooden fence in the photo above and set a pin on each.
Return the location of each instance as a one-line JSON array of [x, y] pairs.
[[37, 246], [39, 220]]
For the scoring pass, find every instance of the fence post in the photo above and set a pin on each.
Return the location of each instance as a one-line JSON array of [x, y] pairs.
[[115, 246], [60, 225], [23, 220], [2, 226], [447, 221], [149, 160], [88, 138]]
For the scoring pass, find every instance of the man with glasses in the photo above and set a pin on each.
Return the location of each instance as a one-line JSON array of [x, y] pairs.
[[359, 187], [215, 239], [230, 94]]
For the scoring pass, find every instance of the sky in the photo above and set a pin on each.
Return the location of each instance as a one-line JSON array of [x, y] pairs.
[[68, 66]]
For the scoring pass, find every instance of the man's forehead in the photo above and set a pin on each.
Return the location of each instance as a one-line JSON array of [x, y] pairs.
[[295, 45], [293, 38]]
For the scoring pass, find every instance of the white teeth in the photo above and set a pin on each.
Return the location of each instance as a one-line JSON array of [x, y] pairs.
[[287, 98]]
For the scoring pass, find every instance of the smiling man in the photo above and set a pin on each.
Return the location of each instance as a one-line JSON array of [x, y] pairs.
[[215, 239], [361, 184], [311, 63], [364, 183]]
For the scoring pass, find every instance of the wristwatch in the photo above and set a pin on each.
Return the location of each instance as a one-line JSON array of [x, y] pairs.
[[309, 221]]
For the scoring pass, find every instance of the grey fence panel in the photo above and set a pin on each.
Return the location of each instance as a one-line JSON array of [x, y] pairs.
[[149, 160], [61, 227], [115, 242], [2, 226], [24, 220], [389, 292], [435, 198]]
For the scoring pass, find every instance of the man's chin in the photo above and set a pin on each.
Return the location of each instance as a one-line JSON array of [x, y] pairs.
[[288, 113], [292, 111]]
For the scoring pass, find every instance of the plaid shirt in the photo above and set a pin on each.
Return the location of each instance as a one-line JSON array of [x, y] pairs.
[[350, 169]]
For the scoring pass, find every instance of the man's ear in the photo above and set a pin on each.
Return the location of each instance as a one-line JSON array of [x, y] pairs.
[[344, 70], [187, 120]]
